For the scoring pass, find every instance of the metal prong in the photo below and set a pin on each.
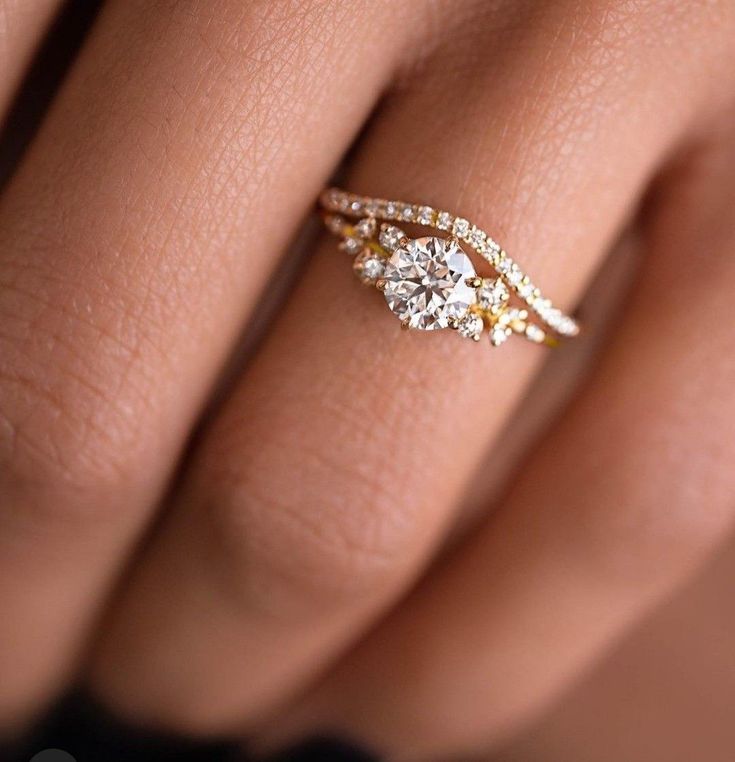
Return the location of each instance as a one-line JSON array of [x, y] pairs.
[[473, 281], [405, 325], [380, 284]]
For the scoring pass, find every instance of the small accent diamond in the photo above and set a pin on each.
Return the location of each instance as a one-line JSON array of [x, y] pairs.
[[351, 245], [505, 264], [366, 227], [335, 224], [568, 327], [390, 236], [461, 227], [425, 215], [499, 334], [369, 266], [525, 290], [515, 276], [478, 239], [493, 294], [534, 333], [408, 213], [470, 326], [444, 221]]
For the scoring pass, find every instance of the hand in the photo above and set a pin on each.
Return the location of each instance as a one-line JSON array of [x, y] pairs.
[[302, 533]]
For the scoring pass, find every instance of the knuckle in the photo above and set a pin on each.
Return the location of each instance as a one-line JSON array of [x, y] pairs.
[[329, 537]]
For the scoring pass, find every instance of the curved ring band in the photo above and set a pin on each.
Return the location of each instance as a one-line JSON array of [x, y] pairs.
[[429, 282]]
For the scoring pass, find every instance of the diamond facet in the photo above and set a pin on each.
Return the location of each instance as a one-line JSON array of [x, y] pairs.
[[425, 283]]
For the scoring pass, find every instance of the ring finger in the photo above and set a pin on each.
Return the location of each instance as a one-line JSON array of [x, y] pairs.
[[333, 469]]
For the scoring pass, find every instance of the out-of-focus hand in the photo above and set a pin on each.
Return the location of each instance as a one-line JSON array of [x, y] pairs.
[[263, 554]]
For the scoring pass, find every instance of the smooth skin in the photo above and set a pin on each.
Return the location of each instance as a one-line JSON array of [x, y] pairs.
[[270, 554]]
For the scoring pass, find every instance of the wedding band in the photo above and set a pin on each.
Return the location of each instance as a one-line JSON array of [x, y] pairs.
[[429, 282]]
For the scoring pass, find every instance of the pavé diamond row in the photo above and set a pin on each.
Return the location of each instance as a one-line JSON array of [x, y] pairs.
[[430, 282]]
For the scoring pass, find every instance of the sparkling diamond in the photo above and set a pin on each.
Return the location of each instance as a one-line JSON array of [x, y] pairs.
[[407, 212], [492, 253], [333, 198], [514, 317], [505, 264], [369, 266], [478, 238], [499, 334], [365, 228], [535, 333], [390, 236], [461, 227], [335, 223], [568, 327], [526, 290], [351, 245], [515, 276], [425, 283], [542, 307], [425, 215], [471, 326], [554, 317], [493, 294], [444, 221]]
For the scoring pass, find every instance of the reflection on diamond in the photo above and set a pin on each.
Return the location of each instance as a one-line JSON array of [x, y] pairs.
[[425, 283]]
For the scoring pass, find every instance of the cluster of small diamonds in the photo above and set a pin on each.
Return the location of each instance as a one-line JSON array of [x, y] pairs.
[[351, 205], [492, 307]]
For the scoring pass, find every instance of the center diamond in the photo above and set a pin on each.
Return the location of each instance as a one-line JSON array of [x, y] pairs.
[[425, 283]]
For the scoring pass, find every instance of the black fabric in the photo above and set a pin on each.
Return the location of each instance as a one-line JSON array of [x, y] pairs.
[[324, 749], [90, 733]]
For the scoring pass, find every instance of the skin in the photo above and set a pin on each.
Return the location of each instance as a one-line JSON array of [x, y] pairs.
[[222, 538]]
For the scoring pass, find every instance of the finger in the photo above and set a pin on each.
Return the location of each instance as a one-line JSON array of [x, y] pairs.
[[675, 669], [555, 385], [334, 468], [22, 24], [622, 502], [171, 172]]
